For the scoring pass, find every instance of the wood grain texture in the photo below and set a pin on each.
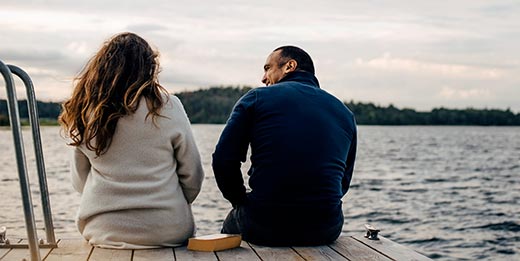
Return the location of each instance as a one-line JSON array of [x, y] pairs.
[[391, 248], [355, 250], [24, 253], [244, 252], [70, 250], [4, 251], [182, 253], [345, 248], [157, 254], [318, 253], [276, 253], [103, 254]]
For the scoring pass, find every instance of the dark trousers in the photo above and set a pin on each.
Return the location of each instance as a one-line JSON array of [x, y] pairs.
[[239, 221]]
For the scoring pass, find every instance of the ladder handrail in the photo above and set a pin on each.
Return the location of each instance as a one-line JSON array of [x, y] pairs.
[[14, 119], [38, 151]]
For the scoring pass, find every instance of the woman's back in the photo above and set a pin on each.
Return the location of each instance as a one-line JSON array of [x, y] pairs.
[[135, 160], [133, 197]]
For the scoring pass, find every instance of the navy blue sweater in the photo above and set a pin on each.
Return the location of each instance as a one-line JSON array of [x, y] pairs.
[[303, 147]]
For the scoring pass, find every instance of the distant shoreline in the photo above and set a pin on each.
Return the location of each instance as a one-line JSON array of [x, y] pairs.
[[213, 106]]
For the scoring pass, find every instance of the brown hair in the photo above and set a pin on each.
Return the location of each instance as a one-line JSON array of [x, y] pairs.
[[109, 87], [302, 58]]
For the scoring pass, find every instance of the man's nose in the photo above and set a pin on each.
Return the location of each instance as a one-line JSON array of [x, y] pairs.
[[264, 79]]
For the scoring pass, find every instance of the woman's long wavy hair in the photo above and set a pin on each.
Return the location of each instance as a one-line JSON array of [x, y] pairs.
[[109, 87]]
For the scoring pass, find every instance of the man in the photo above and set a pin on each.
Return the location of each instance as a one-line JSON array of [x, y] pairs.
[[303, 147]]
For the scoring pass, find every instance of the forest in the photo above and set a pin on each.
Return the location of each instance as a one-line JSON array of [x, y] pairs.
[[213, 106]]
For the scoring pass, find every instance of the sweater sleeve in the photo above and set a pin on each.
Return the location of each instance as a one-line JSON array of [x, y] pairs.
[[80, 169], [349, 169], [231, 150], [189, 165]]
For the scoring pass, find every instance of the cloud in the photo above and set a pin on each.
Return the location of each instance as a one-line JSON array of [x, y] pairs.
[[17, 55], [459, 93], [387, 62], [146, 27], [77, 48], [410, 53]]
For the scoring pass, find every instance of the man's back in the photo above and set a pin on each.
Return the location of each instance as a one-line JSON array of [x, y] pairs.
[[303, 143], [300, 139]]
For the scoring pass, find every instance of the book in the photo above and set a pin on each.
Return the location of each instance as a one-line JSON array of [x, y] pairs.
[[214, 242]]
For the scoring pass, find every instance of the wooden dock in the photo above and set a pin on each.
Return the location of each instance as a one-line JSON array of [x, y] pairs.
[[355, 247]]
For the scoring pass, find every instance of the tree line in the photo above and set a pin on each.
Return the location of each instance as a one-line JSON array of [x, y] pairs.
[[370, 114], [213, 105], [48, 112]]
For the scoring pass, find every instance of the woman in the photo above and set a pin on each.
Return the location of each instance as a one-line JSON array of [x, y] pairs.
[[135, 161]]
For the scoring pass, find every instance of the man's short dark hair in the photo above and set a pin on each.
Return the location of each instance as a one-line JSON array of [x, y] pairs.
[[302, 58]]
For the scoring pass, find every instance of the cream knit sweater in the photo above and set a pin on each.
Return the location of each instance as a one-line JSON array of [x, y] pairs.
[[139, 193]]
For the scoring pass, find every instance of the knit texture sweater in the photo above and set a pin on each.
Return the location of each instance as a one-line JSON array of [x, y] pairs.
[[139, 193]]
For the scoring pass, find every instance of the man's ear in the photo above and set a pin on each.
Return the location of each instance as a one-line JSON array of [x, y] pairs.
[[290, 66]]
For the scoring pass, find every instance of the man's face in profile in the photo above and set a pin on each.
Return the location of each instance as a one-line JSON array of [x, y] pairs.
[[273, 72]]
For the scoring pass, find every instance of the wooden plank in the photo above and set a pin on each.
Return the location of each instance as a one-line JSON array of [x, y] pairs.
[[154, 254], [24, 253], [4, 251], [182, 253], [103, 254], [244, 252], [355, 250], [70, 249], [391, 248], [275, 253], [318, 253]]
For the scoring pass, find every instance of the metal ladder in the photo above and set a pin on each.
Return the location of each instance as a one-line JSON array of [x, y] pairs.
[[14, 118]]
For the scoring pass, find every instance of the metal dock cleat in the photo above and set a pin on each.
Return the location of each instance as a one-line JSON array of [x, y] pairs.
[[3, 238], [371, 232]]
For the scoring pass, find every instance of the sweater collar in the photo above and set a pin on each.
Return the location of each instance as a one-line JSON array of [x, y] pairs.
[[301, 76]]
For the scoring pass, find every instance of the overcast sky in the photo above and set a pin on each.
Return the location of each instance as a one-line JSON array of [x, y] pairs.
[[415, 54]]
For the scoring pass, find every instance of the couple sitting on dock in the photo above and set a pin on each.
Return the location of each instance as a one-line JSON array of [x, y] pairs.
[[138, 169]]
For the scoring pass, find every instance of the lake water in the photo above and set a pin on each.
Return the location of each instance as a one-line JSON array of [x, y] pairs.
[[447, 192]]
